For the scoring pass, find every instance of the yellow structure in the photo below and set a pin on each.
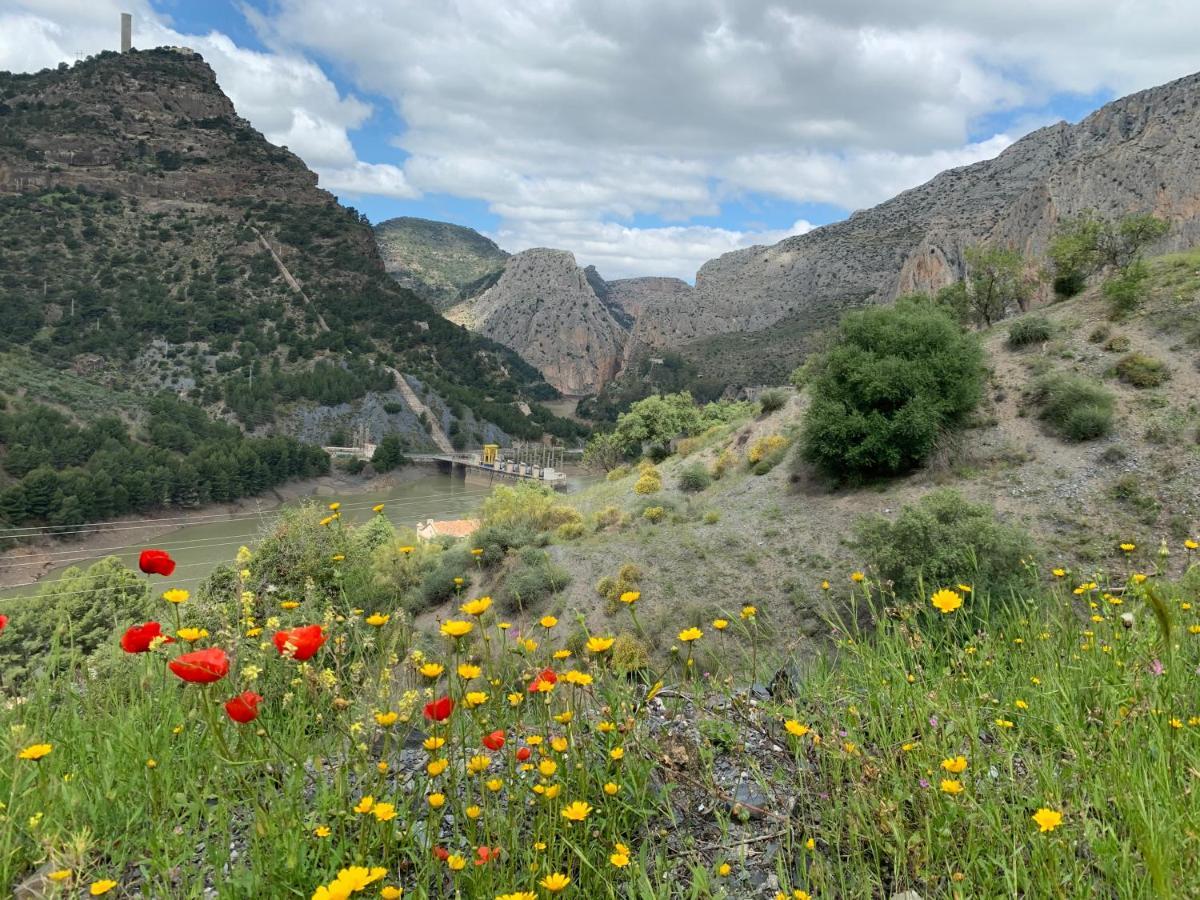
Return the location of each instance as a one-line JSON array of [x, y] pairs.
[[490, 452]]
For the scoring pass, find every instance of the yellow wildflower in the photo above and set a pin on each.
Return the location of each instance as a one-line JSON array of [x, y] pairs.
[[946, 601], [456, 628], [1047, 819], [599, 644]]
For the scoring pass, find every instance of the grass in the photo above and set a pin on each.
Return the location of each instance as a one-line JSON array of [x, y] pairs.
[[1051, 703]]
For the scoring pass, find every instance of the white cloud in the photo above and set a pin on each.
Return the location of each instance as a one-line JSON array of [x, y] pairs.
[[572, 119], [619, 251], [380, 179], [284, 95]]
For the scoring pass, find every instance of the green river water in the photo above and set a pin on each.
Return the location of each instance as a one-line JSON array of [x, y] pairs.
[[204, 542]]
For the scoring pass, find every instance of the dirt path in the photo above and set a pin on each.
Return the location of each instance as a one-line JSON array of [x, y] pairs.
[[289, 278]]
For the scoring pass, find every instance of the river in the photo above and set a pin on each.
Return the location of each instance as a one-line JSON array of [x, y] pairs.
[[206, 539]]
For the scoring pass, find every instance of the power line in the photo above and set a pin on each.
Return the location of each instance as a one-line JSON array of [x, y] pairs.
[[173, 580], [458, 501]]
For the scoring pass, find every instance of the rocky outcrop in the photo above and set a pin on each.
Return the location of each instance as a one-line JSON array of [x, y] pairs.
[[441, 262], [546, 308], [1136, 154]]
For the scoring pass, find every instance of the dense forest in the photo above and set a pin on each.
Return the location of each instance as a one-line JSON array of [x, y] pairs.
[[56, 472]]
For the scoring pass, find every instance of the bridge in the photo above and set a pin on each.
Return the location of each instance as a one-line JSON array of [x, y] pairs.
[[489, 467]]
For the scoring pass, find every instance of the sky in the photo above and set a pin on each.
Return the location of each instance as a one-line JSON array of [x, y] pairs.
[[645, 136]]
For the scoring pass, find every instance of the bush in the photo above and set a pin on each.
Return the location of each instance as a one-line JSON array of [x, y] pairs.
[[653, 514], [694, 478], [941, 541], [765, 446], [77, 614], [628, 578], [1124, 291], [609, 517], [1142, 371], [894, 379], [533, 581], [650, 482], [1075, 407], [618, 473], [725, 461], [569, 531], [771, 401], [1029, 330], [1118, 343], [712, 517], [527, 505], [1099, 334]]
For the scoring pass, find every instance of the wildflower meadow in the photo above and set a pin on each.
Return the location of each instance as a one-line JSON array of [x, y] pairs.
[[263, 743]]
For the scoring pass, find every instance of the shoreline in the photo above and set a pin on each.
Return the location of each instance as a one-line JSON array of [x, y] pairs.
[[32, 562]]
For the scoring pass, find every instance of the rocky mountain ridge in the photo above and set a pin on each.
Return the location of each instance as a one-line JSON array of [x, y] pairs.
[[151, 232], [1135, 154]]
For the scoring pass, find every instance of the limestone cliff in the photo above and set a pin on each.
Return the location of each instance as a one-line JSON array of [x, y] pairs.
[[549, 310]]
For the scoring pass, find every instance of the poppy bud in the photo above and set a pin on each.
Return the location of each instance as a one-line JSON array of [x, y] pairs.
[[523, 754], [244, 707], [494, 741]]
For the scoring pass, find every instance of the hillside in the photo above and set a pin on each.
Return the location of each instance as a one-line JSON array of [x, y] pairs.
[[781, 533], [753, 313], [439, 262], [151, 236]]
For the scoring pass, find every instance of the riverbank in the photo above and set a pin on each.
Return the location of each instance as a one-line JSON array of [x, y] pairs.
[[29, 563]]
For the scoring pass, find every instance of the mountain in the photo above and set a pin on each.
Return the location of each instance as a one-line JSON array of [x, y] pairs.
[[437, 261], [753, 313], [152, 238]]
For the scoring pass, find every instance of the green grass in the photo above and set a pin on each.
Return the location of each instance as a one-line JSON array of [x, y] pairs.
[[1105, 730]]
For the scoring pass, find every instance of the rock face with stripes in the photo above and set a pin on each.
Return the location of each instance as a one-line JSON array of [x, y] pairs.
[[555, 315], [1137, 154]]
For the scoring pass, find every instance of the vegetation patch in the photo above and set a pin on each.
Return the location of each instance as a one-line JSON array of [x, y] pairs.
[[1074, 407], [1142, 371]]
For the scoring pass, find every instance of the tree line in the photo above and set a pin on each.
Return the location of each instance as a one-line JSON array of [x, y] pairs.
[[55, 472]]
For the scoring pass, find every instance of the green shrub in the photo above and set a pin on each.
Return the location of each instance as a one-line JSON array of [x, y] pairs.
[[694, 478], [570, 531], [609, 517], [725, 461], [1029, 330], [893, 380], [527, 505], [771, 401], [941, 541], [1099, 334], [712, 517], [1124, 291], [1075, 407], [617, 474], [438, 585], [1142, 371], [76, 614], [533, 581], [628, 578]]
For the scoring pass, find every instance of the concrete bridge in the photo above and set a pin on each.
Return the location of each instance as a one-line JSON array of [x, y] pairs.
[[480, 469]]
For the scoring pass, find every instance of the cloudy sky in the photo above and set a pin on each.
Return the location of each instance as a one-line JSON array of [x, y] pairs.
[[647, 136]]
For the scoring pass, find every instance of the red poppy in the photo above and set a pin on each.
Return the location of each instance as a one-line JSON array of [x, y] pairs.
[[201, 666], [139, 638], [439, 710], [3, 622], [441, 853], [156, 562], [302, 642], [523, 754], [244, 707], [547, 676], [486, 854], [494, 741]]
